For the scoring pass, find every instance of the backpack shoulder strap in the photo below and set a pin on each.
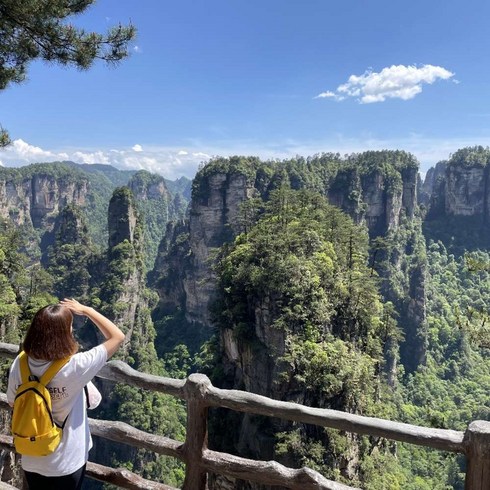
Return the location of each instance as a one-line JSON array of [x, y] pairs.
[[53, 370], [25, 372]]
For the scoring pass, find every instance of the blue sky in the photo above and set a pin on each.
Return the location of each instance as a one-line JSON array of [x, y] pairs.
[[273, 78]]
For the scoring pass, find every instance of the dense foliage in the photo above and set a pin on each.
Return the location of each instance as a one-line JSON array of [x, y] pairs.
[[154, 205], [125, 299], [451, 389], [92, 187], [472, 156], [24, 285], [320, 172], [379, 324], [73, 267], [442, 380], [297, 288]]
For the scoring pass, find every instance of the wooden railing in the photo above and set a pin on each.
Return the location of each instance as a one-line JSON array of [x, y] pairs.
[[200, 394]]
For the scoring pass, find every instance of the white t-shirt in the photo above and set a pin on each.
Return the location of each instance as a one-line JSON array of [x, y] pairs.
[[68, 402]]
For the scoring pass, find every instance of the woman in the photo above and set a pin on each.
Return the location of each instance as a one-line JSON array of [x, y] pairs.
[[50, 338]]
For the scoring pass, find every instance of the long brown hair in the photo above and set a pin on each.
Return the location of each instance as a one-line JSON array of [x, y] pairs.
[[50, 337]]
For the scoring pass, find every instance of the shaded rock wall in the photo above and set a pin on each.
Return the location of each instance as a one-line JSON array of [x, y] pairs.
[[456, 189], [368, 198], [38, 199], [371, 198], [213, 221], [466, 191], [124, 254]]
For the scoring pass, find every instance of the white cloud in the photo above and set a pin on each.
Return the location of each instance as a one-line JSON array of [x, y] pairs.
[[137, 49], [173, 162], [394, 82], [329, 95], [23, 153], [90, 157], [170, 162]]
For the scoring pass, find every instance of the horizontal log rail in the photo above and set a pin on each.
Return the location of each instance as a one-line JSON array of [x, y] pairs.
[[447, 440], [200, 394], [117, 476], [6, 486], [242, 401], [122, 477], [265, 472]]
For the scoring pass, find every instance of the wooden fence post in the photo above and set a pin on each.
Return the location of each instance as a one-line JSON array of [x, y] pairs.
[[477, 442], [196, 439]]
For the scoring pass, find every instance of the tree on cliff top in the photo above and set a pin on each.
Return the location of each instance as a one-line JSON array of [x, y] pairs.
[[37, 29]]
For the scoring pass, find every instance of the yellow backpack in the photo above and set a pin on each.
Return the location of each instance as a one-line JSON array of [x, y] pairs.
[[34, 430]]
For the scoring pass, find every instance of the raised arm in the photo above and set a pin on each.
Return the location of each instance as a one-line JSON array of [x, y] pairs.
[[113, 335]]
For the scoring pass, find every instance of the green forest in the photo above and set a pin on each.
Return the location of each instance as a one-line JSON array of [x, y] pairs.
[[326, 276]]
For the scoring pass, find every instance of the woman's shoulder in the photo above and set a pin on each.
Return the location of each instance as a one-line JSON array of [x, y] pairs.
[[33, 363], [96, 354], [14, 367]]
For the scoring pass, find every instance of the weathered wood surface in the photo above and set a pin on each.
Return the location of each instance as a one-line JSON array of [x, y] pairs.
[[123, 478], [443, 439], [117, 476], [200, 394], [8, 350], [268, 472], [196, 440], [126, 434], [6, 486], [4, 405], [477, 440], [119, 371], [447, 440], [6, 442]]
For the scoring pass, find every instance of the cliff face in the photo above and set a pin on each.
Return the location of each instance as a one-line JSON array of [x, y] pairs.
[[38, 200], [172, 251], [373, 198], [460, 186], [128, 303], [466, 191], [385, 200], [430, 187], [70, 227], [459, 208], [277, 311], [125, 282], [256, 367], [376, 198], [212, 222], [122, 219], [155, 205], [152, 190], [34, 195]]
